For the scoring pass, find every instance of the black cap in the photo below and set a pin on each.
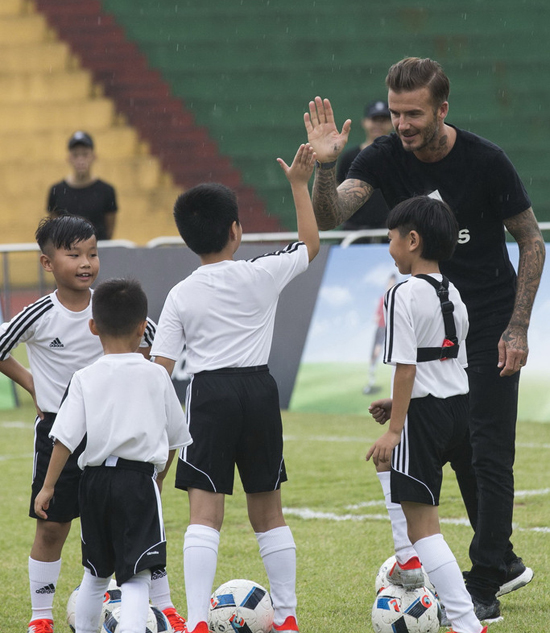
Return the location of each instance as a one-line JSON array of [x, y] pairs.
[[81, 138], [376, 108]]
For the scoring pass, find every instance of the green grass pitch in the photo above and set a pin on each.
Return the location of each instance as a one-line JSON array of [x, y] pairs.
[[332, 503]]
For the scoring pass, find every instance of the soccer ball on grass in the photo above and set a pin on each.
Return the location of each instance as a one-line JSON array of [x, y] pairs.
[[412, 611], [240, 604]]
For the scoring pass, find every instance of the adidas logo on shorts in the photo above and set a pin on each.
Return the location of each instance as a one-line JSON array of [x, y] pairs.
[[56, 343]]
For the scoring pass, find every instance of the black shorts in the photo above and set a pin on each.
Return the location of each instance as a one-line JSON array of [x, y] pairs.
[[64, 504], [121, 524], [234, 419], [435, 431]]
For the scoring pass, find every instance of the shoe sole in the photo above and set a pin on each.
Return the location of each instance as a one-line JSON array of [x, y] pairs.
[[517, 583]]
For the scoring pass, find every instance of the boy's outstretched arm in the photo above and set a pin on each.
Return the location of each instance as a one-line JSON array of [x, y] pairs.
[[60, 455], [403, 382], [299, 174]]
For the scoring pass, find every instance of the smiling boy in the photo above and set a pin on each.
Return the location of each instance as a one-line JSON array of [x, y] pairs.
[[56, 333]]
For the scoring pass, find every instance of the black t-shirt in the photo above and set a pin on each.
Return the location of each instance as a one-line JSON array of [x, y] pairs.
[[91, 202], [482, 187], [373, 214]]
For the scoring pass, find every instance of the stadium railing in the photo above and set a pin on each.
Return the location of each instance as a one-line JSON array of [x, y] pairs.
[[343, 238]]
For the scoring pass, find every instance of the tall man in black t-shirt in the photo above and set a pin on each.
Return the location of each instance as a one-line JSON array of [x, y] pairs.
[[81, 193], [426, 156]]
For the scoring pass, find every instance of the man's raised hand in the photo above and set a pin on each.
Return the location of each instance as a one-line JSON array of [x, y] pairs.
[[322, 133]]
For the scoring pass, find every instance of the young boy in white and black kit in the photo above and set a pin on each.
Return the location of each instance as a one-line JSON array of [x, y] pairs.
[[57, 336], [426, 328], [127, 409], [224, 313]]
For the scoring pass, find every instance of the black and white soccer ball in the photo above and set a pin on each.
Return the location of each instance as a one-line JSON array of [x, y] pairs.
[[382, 577], [110, 600], [156, 622], [240, 606], [412, 611]]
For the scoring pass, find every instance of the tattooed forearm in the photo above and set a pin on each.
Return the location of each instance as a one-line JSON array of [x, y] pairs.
[[334, 205], [524, 228]]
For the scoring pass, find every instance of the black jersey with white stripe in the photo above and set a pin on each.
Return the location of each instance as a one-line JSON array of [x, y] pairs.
[[58, 341], [482, 187]]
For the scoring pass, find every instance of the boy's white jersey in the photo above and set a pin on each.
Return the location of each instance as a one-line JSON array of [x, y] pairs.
[[225, 312], [127, 407], [58, 341], [414, 319]]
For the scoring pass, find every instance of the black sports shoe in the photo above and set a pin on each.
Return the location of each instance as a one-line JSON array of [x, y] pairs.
[[517, 576], [486, 610]]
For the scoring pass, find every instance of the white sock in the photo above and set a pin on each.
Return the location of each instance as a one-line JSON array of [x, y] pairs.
[[89, 602], [278, 552], [43, 580], [445, 575], [404, 549], [160, 590], [134, 603], [200, 559]]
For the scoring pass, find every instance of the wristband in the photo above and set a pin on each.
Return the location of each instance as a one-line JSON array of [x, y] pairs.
[[325, 165]]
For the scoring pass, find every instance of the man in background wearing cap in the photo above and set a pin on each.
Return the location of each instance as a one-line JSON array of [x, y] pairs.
[[80, 193], [376, 122]]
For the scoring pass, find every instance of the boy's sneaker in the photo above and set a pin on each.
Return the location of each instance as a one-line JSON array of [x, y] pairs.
[[410, 575], [517, 576], [288, 626], [483, 630], [486, 610], [201, 627], [40, 626], [176, 621]]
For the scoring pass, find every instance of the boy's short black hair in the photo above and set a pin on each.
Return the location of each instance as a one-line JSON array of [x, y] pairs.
[[204, 214], [119, 306], [63, 231], [433, 220]]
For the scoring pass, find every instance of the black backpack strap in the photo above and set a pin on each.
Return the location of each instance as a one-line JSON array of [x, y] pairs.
[[450, 346]]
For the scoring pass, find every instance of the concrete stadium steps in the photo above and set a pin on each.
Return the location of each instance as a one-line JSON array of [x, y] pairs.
[[33, 117], [40, 87], [184, 149], [45, 96], [141, 173], [117, 142]]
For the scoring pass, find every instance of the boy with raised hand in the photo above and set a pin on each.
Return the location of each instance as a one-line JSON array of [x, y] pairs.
[[426, 326], [59, 342], [224, 313], [127, 411]]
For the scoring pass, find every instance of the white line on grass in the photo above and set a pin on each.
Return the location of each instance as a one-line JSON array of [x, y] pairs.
[[308, 514], [5, 458], [16, 424]]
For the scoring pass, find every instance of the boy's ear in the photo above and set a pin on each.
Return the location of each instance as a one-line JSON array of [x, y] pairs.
[[141, 328], [46, 263], [414, 240], [234, 231], [93, 328]]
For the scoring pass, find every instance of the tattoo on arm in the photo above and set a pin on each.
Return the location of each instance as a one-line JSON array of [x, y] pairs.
[[524, 229], [334, 205]]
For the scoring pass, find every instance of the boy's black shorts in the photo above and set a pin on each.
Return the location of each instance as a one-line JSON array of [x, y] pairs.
[[121, 524], [436, 430], [64, 505], [234, 419]]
